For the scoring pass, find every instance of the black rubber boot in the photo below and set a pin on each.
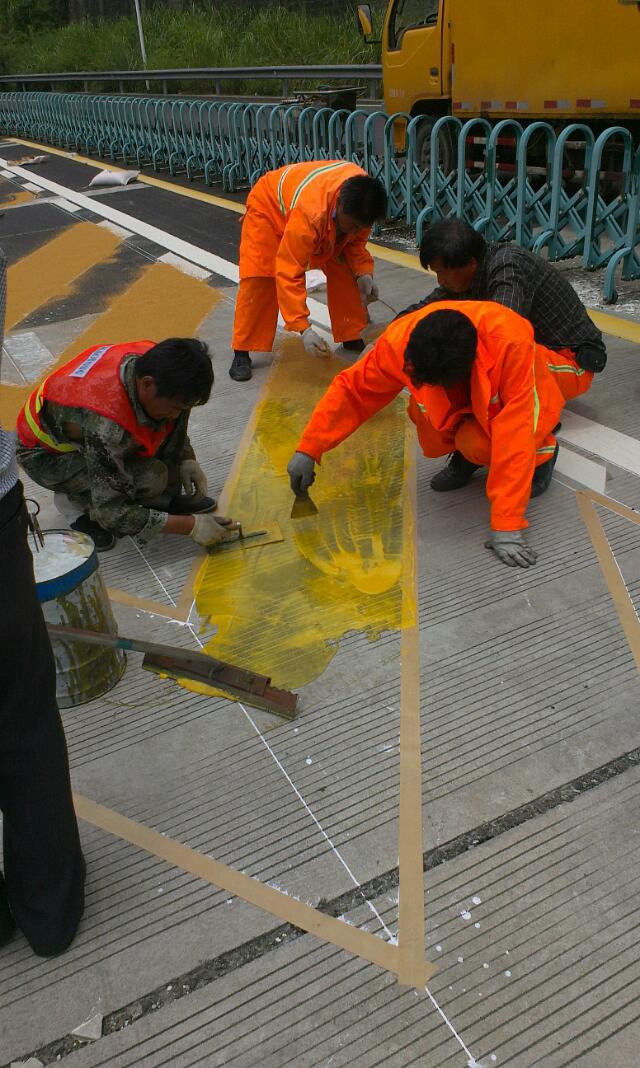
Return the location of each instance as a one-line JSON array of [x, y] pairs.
[[455, 475], [185, 505], [103, 539], [357, 345], [240, 370], [542, 476]]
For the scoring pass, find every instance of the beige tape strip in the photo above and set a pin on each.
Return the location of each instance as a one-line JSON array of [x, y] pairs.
[[619, 594], [614, 506], [352, 939], [414, 970], [146, 605]]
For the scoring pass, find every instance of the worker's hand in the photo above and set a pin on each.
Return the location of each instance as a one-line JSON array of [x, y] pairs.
[[511, 548], [193, 478], [301, 470], [313, 343], [369, 292], [211, 530]]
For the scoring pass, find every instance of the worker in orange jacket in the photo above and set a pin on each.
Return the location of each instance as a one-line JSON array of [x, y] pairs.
[[306, 215], [478, 384]]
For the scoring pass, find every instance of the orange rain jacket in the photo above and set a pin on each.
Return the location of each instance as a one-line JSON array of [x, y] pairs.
[[515, 396], [290, 226]]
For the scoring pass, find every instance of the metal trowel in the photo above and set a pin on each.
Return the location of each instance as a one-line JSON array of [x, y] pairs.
[[248, 538], [303, 506]]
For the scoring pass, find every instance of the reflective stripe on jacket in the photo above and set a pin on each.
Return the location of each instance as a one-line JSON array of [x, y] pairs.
[[514, 396], [92, 381]]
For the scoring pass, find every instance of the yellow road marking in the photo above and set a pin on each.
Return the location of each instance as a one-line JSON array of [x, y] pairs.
[[53, 269], [162, 302], [10, 200], [615, 325]]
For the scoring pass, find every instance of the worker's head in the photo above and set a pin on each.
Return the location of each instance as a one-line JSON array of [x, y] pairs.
[[452, 249], [441, 349], [362, 201], [173, 377]]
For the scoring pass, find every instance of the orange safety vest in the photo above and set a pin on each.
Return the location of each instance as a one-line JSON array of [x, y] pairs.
[[92, 381]]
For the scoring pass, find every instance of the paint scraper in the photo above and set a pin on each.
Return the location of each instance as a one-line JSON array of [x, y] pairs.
[[303, 506]]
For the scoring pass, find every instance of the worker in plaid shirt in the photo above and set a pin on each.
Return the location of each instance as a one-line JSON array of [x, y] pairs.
[[469, 268]]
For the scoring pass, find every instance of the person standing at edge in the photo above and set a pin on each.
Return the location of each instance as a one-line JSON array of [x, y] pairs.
[[469, 268], [305, 215], [107, 432], [478, 384], [42, 891]]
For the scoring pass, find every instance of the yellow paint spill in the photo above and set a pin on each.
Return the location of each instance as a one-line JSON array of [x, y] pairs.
[[9, 199], [162, 302], [281, 610]]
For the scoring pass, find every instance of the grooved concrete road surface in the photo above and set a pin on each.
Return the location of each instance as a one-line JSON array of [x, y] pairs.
[[529, 722]]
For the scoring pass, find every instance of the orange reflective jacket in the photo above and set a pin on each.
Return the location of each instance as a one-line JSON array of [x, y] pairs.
[[92, 381], [514, 396], [289, 226]]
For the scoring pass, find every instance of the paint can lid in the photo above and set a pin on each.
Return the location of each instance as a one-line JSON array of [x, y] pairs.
[[66, 559]]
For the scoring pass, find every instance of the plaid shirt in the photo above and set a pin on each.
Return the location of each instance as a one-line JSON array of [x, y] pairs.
[[527, 284]]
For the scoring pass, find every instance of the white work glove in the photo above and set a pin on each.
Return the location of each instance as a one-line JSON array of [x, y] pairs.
[[369, 292], [313, 343], [211, 530], [301, 470], [510, 546], [193, 478]]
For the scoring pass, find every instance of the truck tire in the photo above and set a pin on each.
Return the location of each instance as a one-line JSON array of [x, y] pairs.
[[423, 146]]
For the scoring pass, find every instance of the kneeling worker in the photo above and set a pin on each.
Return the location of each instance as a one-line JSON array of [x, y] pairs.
[[478, 384], [108, 434], [301, 216]]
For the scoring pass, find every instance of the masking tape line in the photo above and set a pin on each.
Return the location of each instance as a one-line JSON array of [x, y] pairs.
[[614, 506], [155, 608], [414, 970], [355, 941], [612, 575]]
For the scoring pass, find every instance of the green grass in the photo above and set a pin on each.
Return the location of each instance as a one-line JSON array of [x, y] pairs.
[[222, 37]]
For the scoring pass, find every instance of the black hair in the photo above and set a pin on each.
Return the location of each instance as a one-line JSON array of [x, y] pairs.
[[454, 242], [364, 199], [441, 349], [180, 367]]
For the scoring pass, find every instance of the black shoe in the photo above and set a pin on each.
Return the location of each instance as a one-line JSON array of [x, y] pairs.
[[240, 369], [455, 475], [7, 923], [102, 539], [185, 505], [542, 476], [358, 345]]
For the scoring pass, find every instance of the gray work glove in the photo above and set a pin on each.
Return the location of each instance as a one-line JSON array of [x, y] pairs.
[[511, 548], [369, 292], [313, 343], [301, 470], [211, 530], [193, 478]]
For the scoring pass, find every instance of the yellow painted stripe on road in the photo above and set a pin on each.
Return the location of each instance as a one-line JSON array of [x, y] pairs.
[[53, 270], [162, 302], [615, 325], [9, 199]]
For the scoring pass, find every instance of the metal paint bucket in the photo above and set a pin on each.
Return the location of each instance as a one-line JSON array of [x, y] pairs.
[[71, 591]]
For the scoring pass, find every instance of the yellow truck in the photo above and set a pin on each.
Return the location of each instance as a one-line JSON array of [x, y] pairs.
[[556, 60]]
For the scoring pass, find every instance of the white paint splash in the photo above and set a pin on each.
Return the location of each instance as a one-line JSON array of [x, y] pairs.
[[465, 914], [460, 960], [477, 900], [438, 949], [309, 760], [476, 925], [508, 974]]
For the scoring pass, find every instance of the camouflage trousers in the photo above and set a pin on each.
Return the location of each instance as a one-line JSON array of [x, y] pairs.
[[153, 481]]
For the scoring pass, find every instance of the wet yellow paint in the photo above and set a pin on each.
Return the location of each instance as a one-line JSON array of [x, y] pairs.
[[282, 609], [162, 302], [10, 199]]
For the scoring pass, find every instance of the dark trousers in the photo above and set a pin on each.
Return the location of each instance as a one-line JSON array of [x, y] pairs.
[[43, 863]]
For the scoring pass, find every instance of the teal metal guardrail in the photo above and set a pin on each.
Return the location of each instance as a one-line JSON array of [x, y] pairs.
[[510, 182]]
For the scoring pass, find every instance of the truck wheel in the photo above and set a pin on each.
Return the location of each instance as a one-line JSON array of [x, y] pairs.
[[423, 146]]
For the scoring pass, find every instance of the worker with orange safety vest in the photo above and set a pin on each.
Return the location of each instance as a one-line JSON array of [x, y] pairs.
[[107, 432], [302, 216], [478, 384]]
